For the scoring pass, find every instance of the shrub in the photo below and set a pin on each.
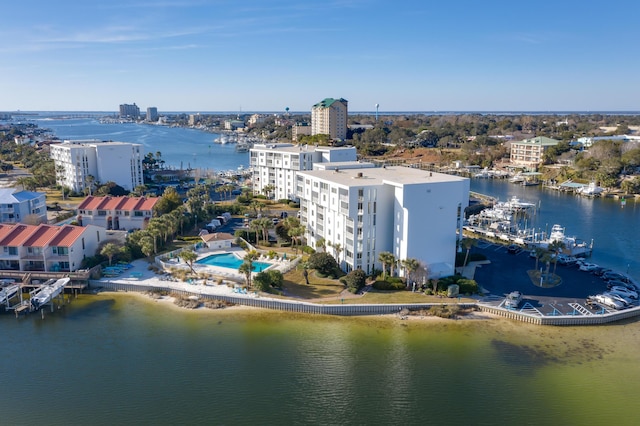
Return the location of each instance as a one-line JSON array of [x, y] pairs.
[[468, 286], [294, 205], [354, 280], [325, 264], [308, 250], [388, 286]]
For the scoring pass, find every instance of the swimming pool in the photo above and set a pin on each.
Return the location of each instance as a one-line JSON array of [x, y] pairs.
[[231, 261]]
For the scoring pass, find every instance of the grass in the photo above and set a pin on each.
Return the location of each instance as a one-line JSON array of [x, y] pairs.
[[331, 292]]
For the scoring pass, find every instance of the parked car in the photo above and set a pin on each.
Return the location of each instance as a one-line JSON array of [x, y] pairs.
[[607, 301], [624, 291], [588, 266], [611, 275], [617, 297], [514, 249]]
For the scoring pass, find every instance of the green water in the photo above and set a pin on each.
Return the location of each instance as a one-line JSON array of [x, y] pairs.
[[118, 359]]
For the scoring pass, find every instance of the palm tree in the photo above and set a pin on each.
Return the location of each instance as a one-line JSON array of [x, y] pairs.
[[392, 264], [410, 266], [321, 243], [89, 181], [154, 231], [385, 258], [255, 226], [546, 259], [246, 268], [337, 248], [467, 243], [539, 252], [295, 233], [110, 250], [189, 257], [556, 247]]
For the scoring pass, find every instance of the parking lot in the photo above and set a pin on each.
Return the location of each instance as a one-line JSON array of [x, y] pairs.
[[507, 272]]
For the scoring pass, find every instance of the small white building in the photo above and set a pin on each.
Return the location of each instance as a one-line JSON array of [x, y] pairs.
[[365, 211], [118, 162], [22, 206], [218, 240], [276, 164]]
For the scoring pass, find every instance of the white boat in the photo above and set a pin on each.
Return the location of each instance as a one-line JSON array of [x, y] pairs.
[[513, 300], [590, 190], [8, 292], [47, 292], [572, 245], [516, 178]]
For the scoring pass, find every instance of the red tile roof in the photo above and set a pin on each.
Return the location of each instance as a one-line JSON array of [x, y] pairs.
[[67, 235], [17, 235], [41, 236], [118, 203]]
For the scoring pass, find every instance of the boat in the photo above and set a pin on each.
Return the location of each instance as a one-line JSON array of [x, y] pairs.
[[590, 190], [516, 178], [8, 292], [572, 245], [47, 292], [513, 300]]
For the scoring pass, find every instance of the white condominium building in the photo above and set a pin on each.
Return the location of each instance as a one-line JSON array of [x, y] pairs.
[[277, 164], [408, 212], [329, 117], [118, 162]]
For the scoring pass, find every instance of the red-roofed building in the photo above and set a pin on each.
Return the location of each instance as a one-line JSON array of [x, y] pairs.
[[47, 248], [123, 213]]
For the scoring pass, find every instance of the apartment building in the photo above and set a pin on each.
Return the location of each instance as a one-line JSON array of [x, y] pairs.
[[530, 152], [105, 161], [22, 206], [277, 164], [118, 213], [129, 111], [300, 129], [47, 248], [152, 114], [408, 212], [329, 117]]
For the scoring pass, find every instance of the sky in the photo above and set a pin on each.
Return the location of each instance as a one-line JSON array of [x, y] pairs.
[[267, 55]]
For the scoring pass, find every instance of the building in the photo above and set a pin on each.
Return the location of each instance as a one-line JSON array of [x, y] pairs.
[[233, 124], [218, 240], [194, 119], [256, 119], [129, 111], [276, 164], [47, 248], [300, 129], [152, 114], [119, 162], [22, 206], [118, 213], [329, 117], [411, 213], [530, 152]]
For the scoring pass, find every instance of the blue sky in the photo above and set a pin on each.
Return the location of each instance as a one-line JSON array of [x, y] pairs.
[[265, 55]]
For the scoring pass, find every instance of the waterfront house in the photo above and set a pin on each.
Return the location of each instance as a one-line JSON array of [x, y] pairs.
[[47, 248], [408, 212], [117, 213], [22, 206]]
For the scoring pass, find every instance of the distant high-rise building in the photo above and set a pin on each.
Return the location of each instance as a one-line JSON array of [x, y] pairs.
[[129, 111], [329, 117], [152, 114]]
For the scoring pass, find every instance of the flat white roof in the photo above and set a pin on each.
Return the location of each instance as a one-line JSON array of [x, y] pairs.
[[379, 175], [297, 148]]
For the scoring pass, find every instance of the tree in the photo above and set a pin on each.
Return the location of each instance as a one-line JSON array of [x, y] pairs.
[[324, 263], [110, 250], [467, 243], [321, 243], [266, 279], [337, 249], [410, 266], [539, 252], [169, 201], [355, 280], [386, 258], [189, 257], [556, 247], [89, 181], [246, 268]]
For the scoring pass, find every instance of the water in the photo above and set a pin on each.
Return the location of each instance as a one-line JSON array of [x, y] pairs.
[[122, 359], [180, 147], [231, 261], [612, 228]]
